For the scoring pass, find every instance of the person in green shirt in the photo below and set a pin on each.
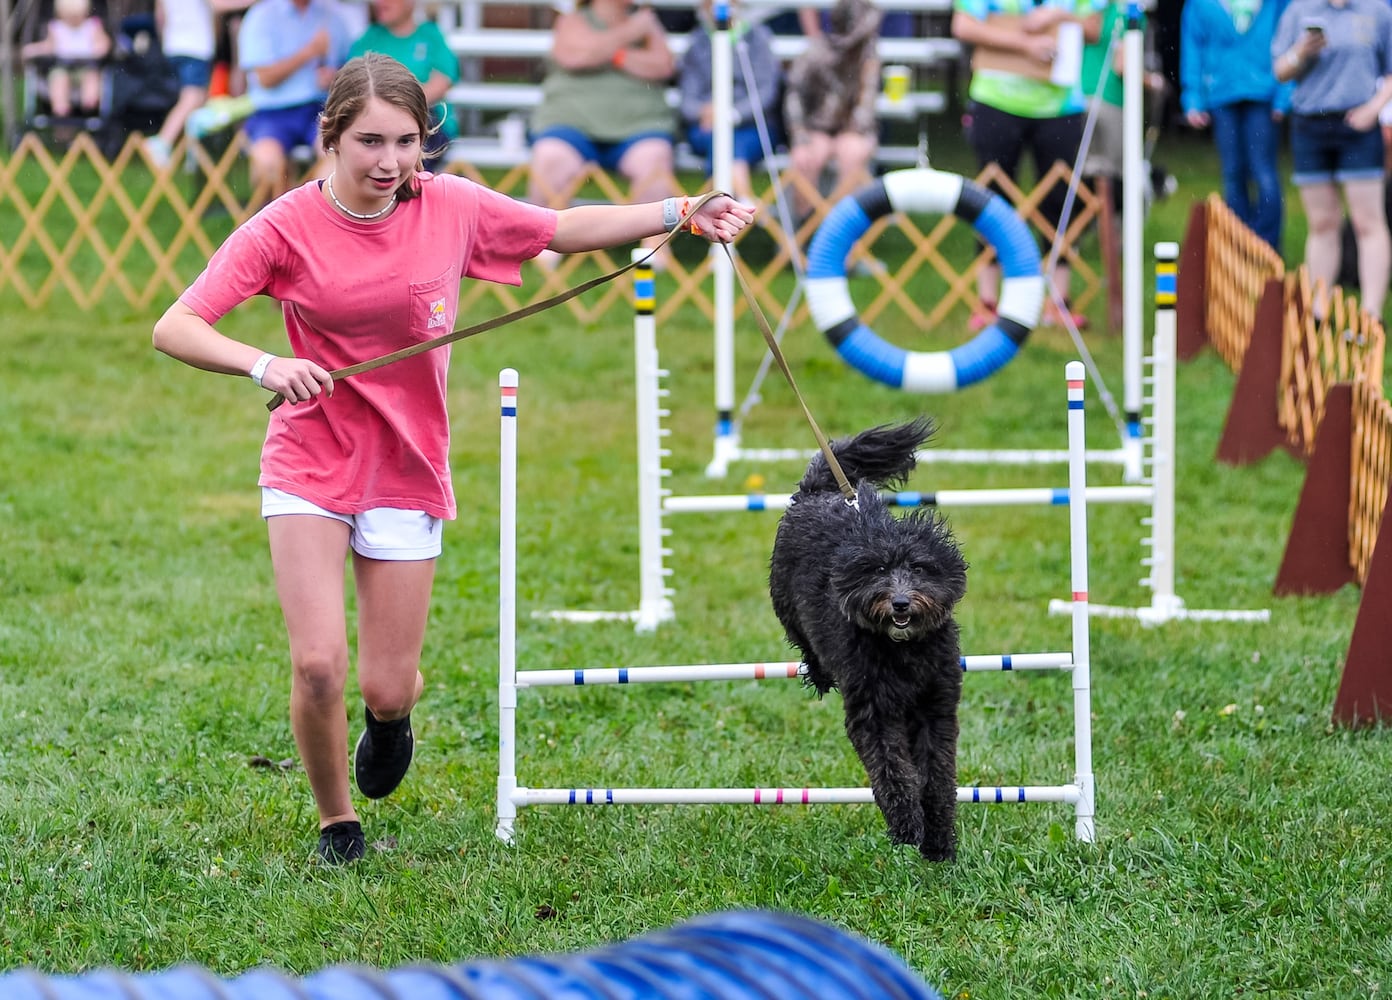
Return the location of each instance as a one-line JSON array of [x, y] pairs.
[[420, 46], [1016, 102]]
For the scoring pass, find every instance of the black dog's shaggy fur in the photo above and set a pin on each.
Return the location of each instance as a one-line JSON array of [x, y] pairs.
[[868, 598]]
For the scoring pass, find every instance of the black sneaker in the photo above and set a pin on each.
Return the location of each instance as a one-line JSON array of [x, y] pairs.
[[340, 843], [383, 755]]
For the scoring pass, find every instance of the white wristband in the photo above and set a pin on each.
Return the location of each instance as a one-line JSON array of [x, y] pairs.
[[671, 215], [258, 370]]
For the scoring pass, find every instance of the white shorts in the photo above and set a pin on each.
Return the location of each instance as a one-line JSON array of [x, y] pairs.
[[382, 533]]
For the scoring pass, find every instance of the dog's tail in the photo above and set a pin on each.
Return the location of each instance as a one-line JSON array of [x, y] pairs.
[[883, 455]]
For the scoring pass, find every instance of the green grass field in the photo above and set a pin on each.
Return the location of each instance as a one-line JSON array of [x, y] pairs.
[[1242, 841]]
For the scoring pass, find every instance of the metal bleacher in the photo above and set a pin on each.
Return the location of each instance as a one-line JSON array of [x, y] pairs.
[[486, 94]]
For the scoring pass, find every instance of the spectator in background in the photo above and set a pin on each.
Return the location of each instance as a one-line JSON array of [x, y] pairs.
[[1226, 80], [1339, 53], [188, 40], [829, 104], [77, 43], [604, 101], [1102, 87], [755, 91], [289, 50], [1016, 101], [813, 21], [420, 46]]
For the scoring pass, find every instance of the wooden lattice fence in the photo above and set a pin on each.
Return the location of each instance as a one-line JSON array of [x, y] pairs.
[[95, 228], [1239, 264], [1370, 472], [1345, 346]]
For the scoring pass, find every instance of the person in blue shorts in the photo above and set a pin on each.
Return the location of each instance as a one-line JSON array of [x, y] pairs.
[[1339, 53], [290, 50]]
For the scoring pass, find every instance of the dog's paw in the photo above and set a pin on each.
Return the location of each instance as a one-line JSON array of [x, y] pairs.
[[934, 849], [906, 833]]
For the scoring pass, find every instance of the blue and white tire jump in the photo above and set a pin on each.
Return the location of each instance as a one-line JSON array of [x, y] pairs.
[[928, 191]]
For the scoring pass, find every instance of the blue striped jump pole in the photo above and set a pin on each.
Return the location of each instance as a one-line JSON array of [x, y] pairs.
[[780, 796], [592, 676], [507, 605], [1029, 496], [1084, 827]]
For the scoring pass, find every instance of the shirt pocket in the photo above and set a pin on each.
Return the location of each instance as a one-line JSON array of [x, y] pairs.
[[432, 304]]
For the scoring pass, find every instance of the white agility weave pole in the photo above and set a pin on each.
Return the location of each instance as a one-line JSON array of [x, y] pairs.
[[1165, 604], [655, 597], [512, 795]]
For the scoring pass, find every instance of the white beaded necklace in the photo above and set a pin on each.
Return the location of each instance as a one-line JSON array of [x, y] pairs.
[[368, 217]]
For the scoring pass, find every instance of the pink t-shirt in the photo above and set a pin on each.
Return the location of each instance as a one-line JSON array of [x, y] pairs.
[[352, 291]]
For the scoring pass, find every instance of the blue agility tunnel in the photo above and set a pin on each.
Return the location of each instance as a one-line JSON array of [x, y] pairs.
[[752, 955]]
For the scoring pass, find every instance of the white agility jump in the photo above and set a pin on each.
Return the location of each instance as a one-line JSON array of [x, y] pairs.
[[513, 795], [1156, 491]]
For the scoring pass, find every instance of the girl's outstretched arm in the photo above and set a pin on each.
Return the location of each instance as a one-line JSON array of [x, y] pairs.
[[597, 227]]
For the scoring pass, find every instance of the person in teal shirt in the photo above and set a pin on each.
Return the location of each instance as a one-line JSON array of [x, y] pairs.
[[420, 46], [1227, 82]]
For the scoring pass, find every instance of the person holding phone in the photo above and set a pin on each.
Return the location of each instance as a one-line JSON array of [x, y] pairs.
[[1338, 53]]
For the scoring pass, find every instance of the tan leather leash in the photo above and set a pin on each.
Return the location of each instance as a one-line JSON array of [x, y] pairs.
[[492, 324], [847, 490]]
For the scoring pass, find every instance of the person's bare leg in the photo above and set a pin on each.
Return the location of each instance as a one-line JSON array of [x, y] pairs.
[[988, 279], [1369, 217], [554, 166], [90, 91], [60, 93], [1323, 247], [808, 158], [854, 152], [308, 554], [190, 100], [647, 166], [269, 167], [393, 604]]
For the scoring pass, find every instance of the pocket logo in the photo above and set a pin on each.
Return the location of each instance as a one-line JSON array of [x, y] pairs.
[[437, 315]]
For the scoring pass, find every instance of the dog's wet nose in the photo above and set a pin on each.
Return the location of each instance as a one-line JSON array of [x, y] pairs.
[[900, 604]]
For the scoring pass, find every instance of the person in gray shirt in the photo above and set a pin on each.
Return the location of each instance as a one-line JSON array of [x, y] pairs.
[[1339, 53]]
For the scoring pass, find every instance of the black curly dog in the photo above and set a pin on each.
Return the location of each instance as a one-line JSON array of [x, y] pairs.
[[868, 597]]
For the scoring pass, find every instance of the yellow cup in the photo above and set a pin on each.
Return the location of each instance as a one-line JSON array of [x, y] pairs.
[[896, 83]]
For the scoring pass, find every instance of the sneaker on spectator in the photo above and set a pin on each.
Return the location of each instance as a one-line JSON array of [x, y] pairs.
[[342, 842], [383, 755], [158, 151], [1053, 317], [982, 318]]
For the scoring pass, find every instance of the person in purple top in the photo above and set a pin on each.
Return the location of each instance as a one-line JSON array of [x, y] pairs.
[[1339, 53]]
